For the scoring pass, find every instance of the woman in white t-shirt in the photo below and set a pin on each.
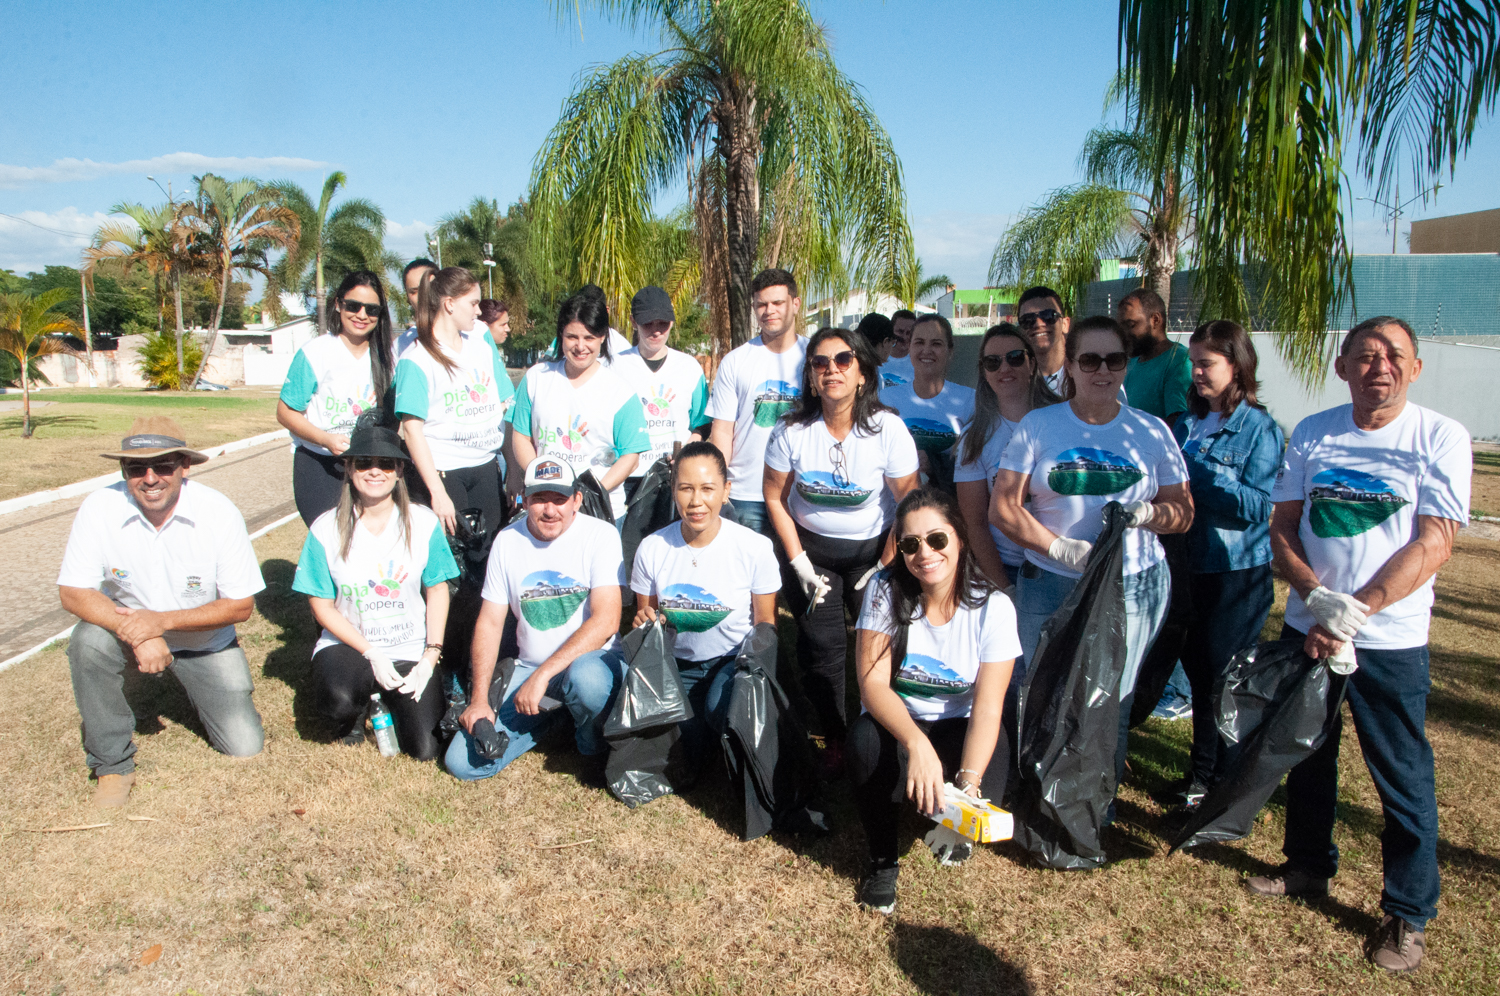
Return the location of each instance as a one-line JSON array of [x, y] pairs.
[[936, 642], [375, 570], [579, 410], [1073, 459], [836, 465], [714, 580], [1010, 385], [332, 381], [934, 408]]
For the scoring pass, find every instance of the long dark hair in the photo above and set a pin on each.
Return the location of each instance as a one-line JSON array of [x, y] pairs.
[[450, 281], [1230, 341], [987, 407], [971, 588], [382, 353], [808, 408], [588, 309], [1093, 323], [349, 512]]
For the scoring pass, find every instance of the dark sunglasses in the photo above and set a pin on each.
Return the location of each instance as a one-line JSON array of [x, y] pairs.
[[1049, 316], [162, 468], [355, 307], [991, 363], [387, 464], [1089, 362], [840, 360], [909, 545]]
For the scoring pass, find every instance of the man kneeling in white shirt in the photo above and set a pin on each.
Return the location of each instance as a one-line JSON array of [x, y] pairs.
[[561, 573], [158, 570]]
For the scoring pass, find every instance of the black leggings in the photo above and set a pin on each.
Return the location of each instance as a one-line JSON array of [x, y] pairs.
[[317, 483], [877, 769], [343, 683], [822, 635]]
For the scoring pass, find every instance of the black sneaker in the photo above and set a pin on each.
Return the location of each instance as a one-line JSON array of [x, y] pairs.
[[356, 735], [878, 891]]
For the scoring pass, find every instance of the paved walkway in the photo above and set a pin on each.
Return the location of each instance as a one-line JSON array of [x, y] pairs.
[[259, 481]]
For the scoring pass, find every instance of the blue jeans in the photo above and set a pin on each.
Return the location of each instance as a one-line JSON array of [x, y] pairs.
[[586, 688], [1388, 699], [707, 684], [752, 515]]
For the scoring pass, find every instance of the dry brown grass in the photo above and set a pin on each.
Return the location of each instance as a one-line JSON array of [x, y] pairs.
[[396, 878]]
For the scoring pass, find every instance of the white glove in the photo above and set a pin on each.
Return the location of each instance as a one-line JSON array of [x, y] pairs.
[[1343, 661], [814, 585], [416, 679], [386, 675], [1071, 553], [860, 584], [1340, 614], [1139, 513]]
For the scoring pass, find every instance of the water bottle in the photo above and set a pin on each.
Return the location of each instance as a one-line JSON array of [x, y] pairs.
[[384, 727]]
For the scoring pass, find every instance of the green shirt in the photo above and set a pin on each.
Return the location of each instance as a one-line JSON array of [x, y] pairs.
[[1161, 384]]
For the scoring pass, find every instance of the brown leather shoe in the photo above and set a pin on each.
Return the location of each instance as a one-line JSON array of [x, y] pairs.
[[1288, 882], [1396, 946], [113, 791]]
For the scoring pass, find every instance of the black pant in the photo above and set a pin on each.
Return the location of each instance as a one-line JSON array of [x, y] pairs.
[[343, 684], [822, 635], [317, 483], [877, 769]]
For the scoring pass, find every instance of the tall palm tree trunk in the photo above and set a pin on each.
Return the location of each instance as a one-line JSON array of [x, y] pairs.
[[318, 285], [213, 334], [177, 301], [25, 395], [740, 147]]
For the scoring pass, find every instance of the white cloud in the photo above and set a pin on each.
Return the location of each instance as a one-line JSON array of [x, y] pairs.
[[29, 241], [407, 241], [958, 243], [68, 170]]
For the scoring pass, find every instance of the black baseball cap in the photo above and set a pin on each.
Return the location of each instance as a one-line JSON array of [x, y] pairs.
[[651, 304]]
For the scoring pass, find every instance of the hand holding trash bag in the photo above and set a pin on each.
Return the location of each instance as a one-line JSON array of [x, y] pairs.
[[1071, 553], [1138, 514], [1342, 615]]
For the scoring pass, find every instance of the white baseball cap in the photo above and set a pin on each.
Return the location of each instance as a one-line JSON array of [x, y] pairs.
[[548, 473]]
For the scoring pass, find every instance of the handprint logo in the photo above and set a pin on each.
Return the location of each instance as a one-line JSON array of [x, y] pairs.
[[480, 386], [573, 439], [660, 404], [389, 585]]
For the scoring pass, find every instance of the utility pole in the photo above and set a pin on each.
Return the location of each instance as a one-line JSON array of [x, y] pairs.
[[489, 265], [436, 245], [1395, 209]]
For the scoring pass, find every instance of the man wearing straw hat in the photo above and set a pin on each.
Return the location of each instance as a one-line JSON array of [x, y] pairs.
[[158, 570]]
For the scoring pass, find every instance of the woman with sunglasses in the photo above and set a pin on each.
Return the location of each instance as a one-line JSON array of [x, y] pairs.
[[935, 644], [1073, 459], [934, 408], [375, 571], [836, 465], [1010, 385], [332, 381]]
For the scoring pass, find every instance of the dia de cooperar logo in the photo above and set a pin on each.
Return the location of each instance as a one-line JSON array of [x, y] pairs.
[[773, 399], [1085, 470], [1349, 502], [923, 675], [549, 599], [931, 435], [691, 609]]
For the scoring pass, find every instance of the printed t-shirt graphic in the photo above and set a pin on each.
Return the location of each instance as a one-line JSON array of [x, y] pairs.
[[463, 411], [936, 422], [549, 599], [1348, 502], [753, 388], [829, 489], [691, 609], [1088, 471], [838, 488], [895, 372], [923, 675], [330, 386], [673, 396]]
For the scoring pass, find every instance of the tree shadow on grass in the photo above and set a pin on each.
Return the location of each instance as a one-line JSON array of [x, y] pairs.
[[290, 661], [941, 960], [16, 423]]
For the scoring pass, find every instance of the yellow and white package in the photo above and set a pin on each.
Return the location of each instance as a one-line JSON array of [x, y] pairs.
[[977, 819]]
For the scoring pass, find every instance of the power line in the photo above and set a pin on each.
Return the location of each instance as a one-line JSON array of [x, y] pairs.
[[55, 231]]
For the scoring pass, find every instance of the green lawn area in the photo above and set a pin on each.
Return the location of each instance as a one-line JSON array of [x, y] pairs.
[[70, 428]]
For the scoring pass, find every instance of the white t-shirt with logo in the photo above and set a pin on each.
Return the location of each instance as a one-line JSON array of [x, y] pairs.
[[838, 489], [547, 585], [894, 372], [378, 587], [587, 427], [1361, 493], [673, 396], [705, 593], [936, 422], [936, 677], [330, 386], [200, 554], [753, 389], [984, 468], [463, 410], [1076, 469]]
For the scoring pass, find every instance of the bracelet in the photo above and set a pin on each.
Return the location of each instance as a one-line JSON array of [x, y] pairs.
[[433, 646], [969, 770]]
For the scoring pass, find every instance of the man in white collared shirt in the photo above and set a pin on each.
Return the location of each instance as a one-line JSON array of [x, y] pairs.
[[158, 570]]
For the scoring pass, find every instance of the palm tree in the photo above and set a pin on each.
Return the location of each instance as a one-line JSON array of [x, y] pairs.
[[784, 162], [331, 242], [27, 324], [913, 284], [1260, 101], [159, 241], [465, 234], [237, 221]]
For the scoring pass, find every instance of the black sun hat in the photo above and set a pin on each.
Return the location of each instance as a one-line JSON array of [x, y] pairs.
[[376, 441]]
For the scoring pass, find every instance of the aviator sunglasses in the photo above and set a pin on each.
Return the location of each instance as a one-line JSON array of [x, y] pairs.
[[387, 464], [1089, 362], [991, 363], [1048, 317], [161, 468], [839, 360], [909, 545], [355, 307]]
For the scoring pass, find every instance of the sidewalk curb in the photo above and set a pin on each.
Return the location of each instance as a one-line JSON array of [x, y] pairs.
[[105, 480]]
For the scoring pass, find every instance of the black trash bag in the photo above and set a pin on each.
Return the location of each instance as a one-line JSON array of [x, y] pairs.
[[1274, 710], [651, 508], [1165, 651], [642, 726], [766, 747], [1070, 713], [596, 501]]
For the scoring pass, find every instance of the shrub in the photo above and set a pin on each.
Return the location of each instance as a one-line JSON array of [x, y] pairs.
[[158, 361]]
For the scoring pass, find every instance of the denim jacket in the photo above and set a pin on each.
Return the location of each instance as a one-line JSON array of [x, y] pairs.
[[1231, 473]]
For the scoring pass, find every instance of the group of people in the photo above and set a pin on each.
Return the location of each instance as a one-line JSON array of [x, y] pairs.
[[842, 473]]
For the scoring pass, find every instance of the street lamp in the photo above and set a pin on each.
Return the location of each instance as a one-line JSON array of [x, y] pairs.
[[489, 250], [1400, 205], [435, 243]]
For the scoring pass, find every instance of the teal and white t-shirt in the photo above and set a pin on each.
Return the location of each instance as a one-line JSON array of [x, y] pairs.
[[753, 388], [1361, 493], [463, 410], [589, 427], [936, 422], [547, 585], [936, 677], [674, 397], [1076, 469], [1012, 554], [838, 488], [895, 372], [378, 587], [330, 386], [705, 593]]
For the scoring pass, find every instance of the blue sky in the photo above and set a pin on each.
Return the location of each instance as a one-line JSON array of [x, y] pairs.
[[427, 105]]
